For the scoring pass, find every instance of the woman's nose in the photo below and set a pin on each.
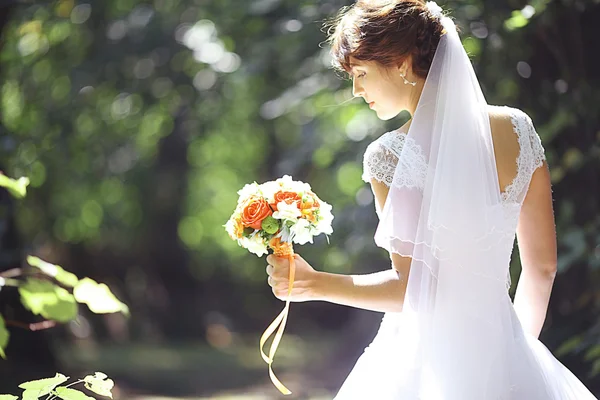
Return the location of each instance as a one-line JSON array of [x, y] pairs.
[[357, 90]]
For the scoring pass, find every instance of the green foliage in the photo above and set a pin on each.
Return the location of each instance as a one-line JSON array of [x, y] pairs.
[[99, 384], [4, 336], [98, 297], [17, 188], [48, 300], [41, 387], [33, 390], [71, 394], [55, 271]]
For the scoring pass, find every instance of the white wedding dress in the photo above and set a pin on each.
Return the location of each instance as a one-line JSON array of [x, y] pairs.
[[386, 370]]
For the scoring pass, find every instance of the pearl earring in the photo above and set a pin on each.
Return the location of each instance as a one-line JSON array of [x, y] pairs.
[[406, 81]]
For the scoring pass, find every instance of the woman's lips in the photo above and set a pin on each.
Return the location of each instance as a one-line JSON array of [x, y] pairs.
[[371, 104]]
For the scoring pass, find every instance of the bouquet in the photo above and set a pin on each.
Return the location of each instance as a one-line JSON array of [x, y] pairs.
[[275, 215]]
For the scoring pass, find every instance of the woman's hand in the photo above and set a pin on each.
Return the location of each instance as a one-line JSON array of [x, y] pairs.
[[305, 280]]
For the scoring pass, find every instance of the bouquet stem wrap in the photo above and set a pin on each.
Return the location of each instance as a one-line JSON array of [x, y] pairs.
[[281, 249]]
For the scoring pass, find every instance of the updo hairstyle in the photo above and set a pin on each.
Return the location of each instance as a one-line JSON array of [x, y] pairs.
[[385, 31]]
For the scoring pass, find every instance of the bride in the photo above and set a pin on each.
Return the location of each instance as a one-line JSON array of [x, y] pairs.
[[453, 187]]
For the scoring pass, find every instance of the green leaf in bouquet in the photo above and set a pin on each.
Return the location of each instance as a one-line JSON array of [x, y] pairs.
[[41, 387], [4, 335], [247, 231], [53, 270], [72, 394], [98, 297], [48, 300], [18, 187], [99, 384], [270, 225], [8, 397]]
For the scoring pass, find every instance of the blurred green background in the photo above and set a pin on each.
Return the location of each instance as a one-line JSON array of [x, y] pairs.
[[138, 121]]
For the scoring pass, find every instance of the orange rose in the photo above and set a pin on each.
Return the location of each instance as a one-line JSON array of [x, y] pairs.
[[288, 197], [255, 209]]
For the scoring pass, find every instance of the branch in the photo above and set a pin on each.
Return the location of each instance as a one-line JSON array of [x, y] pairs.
[[11, 273], [37, 326]]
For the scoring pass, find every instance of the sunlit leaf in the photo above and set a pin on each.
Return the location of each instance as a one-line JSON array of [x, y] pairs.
[[99, 384], [17, 188], [41, 387], [53, 270], [72, 394], [516, 21], [48, 300], [98, 297], [8, 397], [4, 336]]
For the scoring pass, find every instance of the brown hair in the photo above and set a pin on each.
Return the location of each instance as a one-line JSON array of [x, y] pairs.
[[385, 31]]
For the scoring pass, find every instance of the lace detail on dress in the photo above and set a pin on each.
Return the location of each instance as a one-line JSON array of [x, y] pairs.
[[531, 156], [381, 159]]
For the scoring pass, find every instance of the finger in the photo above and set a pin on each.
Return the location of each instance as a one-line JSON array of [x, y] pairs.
[[269, 281], [269, 269]]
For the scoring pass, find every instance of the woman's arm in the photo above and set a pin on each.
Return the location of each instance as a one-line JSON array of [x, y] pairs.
[[380, 291], [536, 236]]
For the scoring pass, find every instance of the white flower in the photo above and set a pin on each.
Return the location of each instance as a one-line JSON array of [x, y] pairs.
[[255, 244], [230, 228], [269, 189], [287, 211], [325, 219], [302, 231], [287, 183], [248, 190]]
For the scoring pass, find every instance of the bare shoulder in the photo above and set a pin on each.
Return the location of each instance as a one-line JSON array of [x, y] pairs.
[[506, 143]]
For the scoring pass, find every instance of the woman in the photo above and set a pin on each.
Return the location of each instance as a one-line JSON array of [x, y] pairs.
[[452, 187]]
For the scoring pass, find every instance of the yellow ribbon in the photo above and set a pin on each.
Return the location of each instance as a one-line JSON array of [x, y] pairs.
[[279, 321]]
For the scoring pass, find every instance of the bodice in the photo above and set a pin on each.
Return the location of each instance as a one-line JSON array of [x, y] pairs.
[[383, 155]]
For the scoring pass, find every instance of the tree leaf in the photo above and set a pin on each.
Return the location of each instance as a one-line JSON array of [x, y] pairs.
[[71, 394], [41, 387], [56, 271], [48, 300], [8, 397], [98, 384], [31, 395], [4, 336], [98, 297], [18, 187]]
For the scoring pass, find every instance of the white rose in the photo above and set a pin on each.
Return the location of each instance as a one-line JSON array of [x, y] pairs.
[[287, 211], [302, 231], [255, 244]]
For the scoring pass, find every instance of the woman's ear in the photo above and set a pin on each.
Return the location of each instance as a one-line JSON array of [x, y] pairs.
[[406, 65]]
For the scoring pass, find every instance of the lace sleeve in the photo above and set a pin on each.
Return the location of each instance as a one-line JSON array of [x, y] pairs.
[[379, 163], [531, 156], [538, 152]]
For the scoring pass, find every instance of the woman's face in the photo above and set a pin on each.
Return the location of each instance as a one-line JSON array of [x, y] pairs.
[[382, 88]]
